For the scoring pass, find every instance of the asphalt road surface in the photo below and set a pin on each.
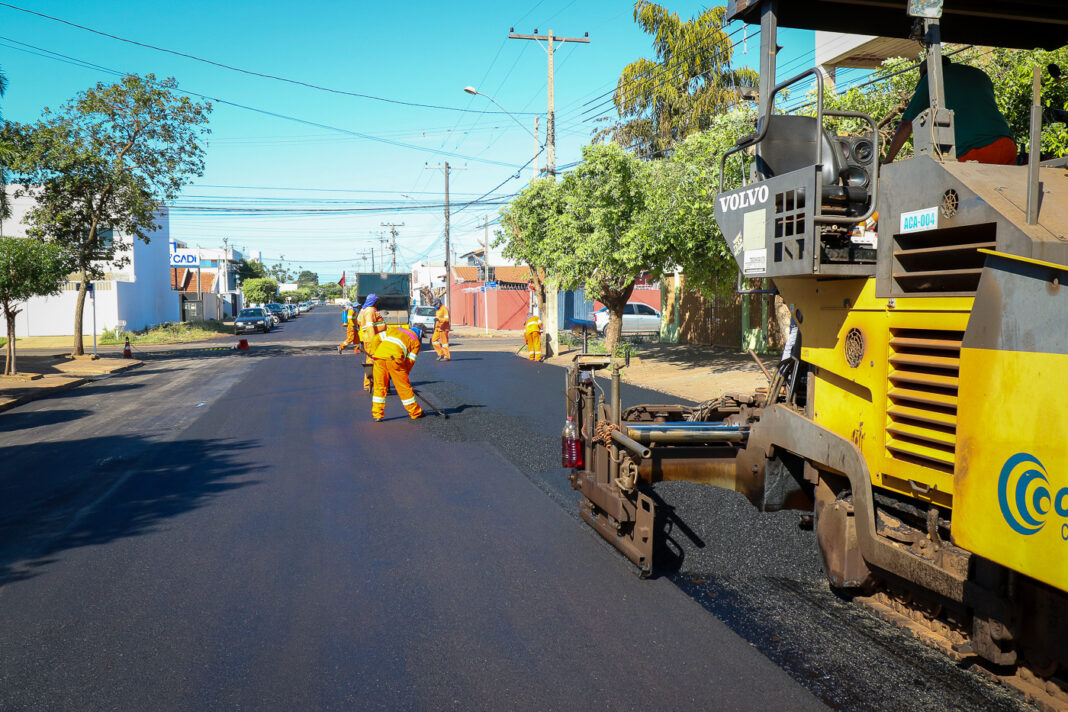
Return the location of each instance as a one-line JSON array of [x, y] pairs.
[[232, 531]]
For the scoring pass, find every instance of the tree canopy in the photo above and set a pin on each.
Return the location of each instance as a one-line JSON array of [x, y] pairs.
[[307, 278], [663, 100], [250, 269], [28, 268], [259, 290], [105, 164]]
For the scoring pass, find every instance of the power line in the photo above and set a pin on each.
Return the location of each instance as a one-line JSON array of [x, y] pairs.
[[231, 68], [370, 137]]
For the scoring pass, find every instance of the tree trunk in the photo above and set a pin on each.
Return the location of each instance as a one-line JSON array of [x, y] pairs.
[[83, 289], [616, 302], [10, 368]]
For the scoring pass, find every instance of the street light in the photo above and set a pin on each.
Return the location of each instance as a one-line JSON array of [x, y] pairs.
[[475, 92]]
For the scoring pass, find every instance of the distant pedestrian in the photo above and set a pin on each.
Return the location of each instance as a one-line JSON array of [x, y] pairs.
[[394, 358], [532, 334], [440, 339]]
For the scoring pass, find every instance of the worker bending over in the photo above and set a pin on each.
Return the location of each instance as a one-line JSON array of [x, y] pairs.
[[394, 358], [532, 334], [371, 325], [440, 339], [352, 333], [980, 132]]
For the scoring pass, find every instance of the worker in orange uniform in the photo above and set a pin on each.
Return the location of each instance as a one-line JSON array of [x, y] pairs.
[[532, 334], [394, 358], [371, 325], [352, 334], [440, 339]]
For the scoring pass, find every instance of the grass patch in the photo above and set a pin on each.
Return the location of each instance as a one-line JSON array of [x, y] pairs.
[[168, 333], [595, 345], [3, 341]]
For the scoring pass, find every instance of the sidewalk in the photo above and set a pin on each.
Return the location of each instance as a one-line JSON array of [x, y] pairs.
[[41, 376]]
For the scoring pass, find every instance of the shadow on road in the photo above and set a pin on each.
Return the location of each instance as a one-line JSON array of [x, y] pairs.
[[50, 507], [22, 420]]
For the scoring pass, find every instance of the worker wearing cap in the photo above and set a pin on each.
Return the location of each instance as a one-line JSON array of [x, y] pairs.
[[371, 325], [532, 334], [440, 339], [352, 334], [394, 358]]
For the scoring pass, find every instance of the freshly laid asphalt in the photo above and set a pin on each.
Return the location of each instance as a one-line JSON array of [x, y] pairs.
[[231, 531]]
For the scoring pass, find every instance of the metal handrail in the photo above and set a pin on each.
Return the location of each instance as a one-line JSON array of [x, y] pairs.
[[756, 138], [831, 219]]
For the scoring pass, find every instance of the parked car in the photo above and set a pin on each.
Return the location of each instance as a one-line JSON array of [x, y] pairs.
[[423, 318], [279, 311], [292, 309], [638, 318], [253, 319]]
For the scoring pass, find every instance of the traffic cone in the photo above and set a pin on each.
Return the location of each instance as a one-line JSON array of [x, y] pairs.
[[242, 345], [126, 352]]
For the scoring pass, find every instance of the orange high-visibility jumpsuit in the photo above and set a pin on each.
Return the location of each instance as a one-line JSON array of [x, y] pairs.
[[532, 334], [352, 335], [394, 358], [371, 325], [440, 339]]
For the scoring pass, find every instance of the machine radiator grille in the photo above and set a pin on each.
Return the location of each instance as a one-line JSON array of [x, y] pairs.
[[922, 397], [941, 261]]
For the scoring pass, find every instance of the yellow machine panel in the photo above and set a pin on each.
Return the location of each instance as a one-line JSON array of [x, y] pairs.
[[1012, 476]]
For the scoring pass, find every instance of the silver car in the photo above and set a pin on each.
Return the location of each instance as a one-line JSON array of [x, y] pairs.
[[638, 318]]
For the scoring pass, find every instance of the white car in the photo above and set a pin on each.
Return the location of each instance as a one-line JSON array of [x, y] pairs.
[[638, 318]]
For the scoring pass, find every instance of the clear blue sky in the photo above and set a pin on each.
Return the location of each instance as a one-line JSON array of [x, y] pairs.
[[423, 52]]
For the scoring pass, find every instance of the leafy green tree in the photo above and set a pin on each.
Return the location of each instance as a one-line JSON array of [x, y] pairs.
[[526, 231], [105, 164], [279, 273], [259, 290], [662, 101], [600, 238], [250, 269], [328, 290], [307, 278], [679, 209], [28, 267]]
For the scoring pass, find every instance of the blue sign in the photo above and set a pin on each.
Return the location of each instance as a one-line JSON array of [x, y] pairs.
[[185, 258], [491, 285]]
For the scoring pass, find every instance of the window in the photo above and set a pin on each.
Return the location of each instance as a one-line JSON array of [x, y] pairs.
[[645, 310], [629, 309]]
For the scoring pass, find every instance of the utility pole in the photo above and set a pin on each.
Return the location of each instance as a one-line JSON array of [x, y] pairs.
[[550, 123], [393, 248], [448, 262], [485, 246]]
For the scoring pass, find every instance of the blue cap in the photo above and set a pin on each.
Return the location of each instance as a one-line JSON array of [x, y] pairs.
[[370, 301], [418, 333]]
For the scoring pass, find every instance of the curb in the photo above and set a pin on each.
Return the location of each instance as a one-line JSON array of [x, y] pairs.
[[42, 393]]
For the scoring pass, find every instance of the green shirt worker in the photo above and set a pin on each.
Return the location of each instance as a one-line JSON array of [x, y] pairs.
[[979, 130]]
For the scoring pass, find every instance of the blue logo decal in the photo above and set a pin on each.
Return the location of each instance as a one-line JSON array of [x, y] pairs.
[[1023, 493]]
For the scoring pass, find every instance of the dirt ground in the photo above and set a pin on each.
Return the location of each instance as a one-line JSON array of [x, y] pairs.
[[697, 373]]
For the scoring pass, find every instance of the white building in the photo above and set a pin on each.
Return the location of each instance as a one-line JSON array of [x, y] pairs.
[[209, 290], [134, 296]]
